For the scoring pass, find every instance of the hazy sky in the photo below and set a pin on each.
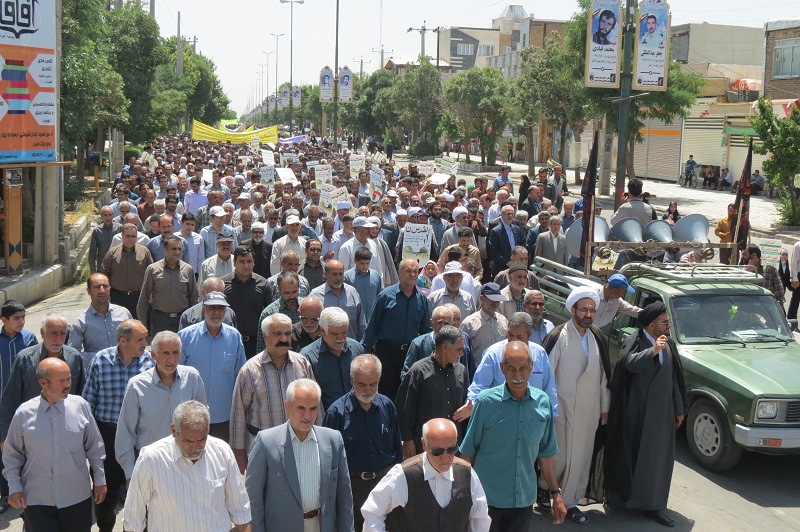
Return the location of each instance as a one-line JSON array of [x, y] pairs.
[[236, 33]]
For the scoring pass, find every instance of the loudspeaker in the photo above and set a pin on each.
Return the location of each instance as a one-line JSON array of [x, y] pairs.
[[627, 230], [691, 228], [575, 234], [657, 230]]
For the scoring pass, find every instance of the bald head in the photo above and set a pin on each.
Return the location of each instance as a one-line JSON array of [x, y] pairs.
[[213, 284]]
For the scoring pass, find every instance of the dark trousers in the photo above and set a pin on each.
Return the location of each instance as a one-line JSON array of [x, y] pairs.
[[250, 347], [161, 321], [115, 479], [361, 489], [725, 256], [510, 519], [220, 430], [129, 300], [75, 518], [3, 481], [392, 356], [794, 303]]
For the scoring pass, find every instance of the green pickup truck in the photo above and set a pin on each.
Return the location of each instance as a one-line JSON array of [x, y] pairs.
[[740, 358]]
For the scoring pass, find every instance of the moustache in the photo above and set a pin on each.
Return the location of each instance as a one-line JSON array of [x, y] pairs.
[[517, 381], [283, 344]]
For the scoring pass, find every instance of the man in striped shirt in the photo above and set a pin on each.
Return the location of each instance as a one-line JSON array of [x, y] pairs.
[[260, 390], [179, 481]]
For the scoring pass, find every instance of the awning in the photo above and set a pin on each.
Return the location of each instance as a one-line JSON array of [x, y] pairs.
[[733, 130], [781, 108]]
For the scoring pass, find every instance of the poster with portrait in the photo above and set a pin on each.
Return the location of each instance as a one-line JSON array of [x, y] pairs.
[[346, 85], [651, 47], [273, 103], [603, 44], [296, 95], [285, 94], [417, 242], [326, 84], [29, 88]]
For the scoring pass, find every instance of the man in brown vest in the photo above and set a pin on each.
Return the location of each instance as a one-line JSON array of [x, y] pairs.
[[431, 491]]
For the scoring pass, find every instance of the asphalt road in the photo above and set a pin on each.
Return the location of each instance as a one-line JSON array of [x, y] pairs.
[[761, 493]]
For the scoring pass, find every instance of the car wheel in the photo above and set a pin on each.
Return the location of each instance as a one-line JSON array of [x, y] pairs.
[[710, 440]]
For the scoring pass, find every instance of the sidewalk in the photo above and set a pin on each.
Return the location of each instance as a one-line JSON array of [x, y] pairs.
[[710, 203]]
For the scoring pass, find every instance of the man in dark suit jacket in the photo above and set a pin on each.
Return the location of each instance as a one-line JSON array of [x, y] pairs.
[[500, 245], [262, 250], [280, 499]]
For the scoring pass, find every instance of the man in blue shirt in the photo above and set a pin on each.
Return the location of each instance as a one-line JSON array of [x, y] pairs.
[[534, 306], [367, 282], [166, 225], [504, 179], [422, 346], [330, 355], [13, 339], [489, 374], [216, 351], [502, 448], [370, 427], [400, 314], [690, 165]]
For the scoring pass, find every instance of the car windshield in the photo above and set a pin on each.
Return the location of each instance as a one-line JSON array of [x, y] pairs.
[[731, 318]]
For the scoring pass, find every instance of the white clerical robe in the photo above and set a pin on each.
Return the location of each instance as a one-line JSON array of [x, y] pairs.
[[582, 389]]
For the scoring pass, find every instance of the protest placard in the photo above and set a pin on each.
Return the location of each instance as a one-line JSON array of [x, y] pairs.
[[323, 173], [417, 242], [357, 162]]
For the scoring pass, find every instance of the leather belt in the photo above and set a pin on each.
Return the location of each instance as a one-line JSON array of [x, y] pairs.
[[369, 475], [128, 293], [168, 314], [253, 430], [401, 347], [311, 515]]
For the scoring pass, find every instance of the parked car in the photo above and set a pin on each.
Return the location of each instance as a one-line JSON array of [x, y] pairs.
[[740, 359]]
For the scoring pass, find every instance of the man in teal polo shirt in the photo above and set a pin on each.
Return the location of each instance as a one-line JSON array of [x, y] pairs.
[[510, 428]]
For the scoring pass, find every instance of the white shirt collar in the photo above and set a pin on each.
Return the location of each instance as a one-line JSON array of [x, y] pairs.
[[428, 471]]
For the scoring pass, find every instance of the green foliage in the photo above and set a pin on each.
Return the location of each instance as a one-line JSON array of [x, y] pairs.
[[372, 110], [74, 189], [477, 103], [417, 98], [423, 147], [779, 137]]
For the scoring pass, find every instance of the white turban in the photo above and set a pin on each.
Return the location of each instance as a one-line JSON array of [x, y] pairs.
[[582, 293]]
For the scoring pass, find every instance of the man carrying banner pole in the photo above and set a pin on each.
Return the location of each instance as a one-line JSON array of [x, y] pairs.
[[587, 191], [743, 207]]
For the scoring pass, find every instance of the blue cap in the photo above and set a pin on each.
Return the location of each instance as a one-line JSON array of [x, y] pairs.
[[620, 281]]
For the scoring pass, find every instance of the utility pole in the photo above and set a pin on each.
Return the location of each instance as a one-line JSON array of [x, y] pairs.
[[179, 55], [261, 96], [291, 57], [361, 66], [336, 85], [194, 45], [277, 36], [381, 52], [624, 103], [153, 8], [422, 31]]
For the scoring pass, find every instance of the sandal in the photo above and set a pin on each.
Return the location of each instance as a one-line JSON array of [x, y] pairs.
[[577, 516]]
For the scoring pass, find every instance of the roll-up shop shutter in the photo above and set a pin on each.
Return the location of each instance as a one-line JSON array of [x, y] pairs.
[[658, 156], [702, 137], [737, 153]]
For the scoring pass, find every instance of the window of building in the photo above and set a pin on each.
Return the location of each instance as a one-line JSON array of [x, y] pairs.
[[786, 58], [506, 49], [485, 49], [465, 49]]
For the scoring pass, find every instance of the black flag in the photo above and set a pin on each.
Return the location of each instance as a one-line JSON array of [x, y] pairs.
[[742, 231], [587, 191]]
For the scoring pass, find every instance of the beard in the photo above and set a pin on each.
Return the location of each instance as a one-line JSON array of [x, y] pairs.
[[366, 398]]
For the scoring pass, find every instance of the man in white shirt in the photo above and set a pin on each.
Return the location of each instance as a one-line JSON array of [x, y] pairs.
[[187, 481], [361, 232], [402, 495]]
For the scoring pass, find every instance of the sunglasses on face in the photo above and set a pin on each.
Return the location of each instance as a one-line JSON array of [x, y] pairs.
[[439, 451]]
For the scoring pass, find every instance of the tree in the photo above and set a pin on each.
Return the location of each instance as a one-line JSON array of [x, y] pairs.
[[130, 28], [525, 108], [417, 97], [372, 109], [779, 139], [477, 101], [682, 90]]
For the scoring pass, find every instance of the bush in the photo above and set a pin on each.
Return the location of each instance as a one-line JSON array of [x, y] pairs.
[[786, 214], [73, 189], [422, 148], [131, 151]]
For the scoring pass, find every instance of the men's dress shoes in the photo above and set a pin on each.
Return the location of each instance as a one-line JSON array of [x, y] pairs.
[[660, 517]]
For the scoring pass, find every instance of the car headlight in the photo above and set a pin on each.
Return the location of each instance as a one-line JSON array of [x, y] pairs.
[[767, 410]]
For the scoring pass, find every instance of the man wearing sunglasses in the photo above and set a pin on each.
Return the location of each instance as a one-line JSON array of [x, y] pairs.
[[402, 496]]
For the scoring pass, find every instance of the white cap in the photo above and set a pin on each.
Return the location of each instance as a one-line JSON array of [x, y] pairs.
[[292, 219], [453, 267], [343, 205], [361, 221], [458, 211], [401, 212], [216, 211]]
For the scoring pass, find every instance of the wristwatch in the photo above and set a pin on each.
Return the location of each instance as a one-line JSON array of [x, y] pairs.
[[555, 492]]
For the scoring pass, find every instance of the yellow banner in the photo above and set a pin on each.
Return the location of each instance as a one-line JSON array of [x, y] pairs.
[[201, 131]]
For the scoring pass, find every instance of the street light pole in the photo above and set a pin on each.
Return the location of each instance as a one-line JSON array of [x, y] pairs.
[[277, 36], [266, 86], [261, 96], [291, 57], [336, 85]]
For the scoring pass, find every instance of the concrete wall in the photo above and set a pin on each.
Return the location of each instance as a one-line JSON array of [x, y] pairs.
[[717, 43], [452, 37]]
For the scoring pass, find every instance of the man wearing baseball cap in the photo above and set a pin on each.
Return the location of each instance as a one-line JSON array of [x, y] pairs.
[[612, 300], [361, 234], [211, 232], [292, 241], [486, 326]]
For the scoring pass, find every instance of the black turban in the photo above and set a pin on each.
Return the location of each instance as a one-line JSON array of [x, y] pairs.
[[652, 311]]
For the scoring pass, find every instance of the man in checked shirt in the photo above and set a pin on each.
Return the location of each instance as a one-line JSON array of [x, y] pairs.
[[260, 389], [104, 390]]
